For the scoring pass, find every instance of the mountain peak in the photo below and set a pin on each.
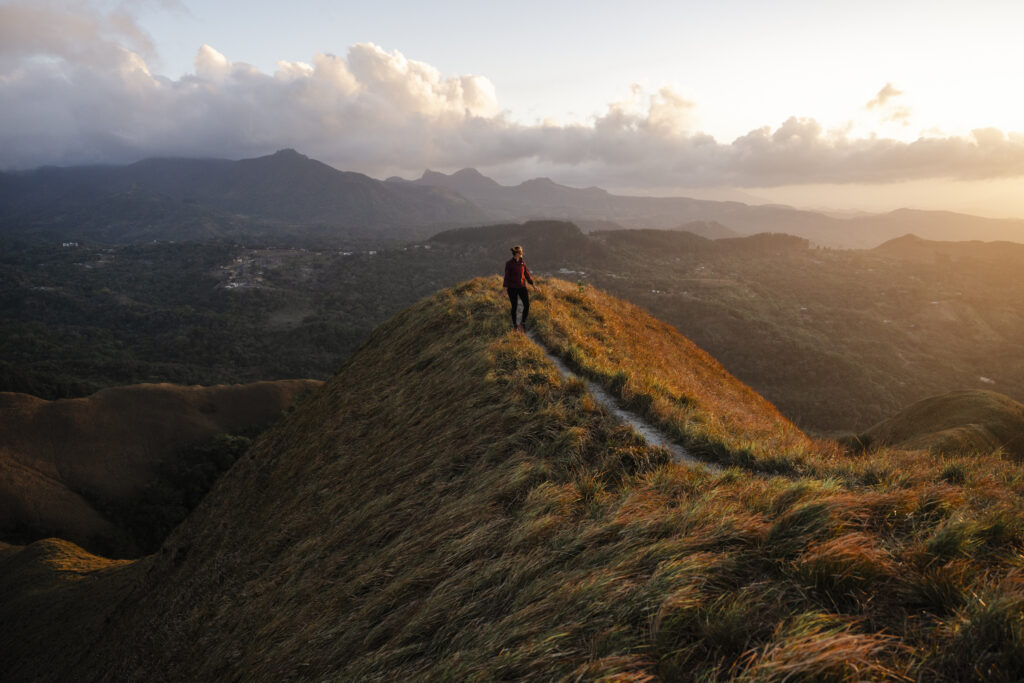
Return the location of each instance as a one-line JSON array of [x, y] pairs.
[[907, 240], [288, 157], [469, 173], [539, 182], [462, 180], [288, 153]]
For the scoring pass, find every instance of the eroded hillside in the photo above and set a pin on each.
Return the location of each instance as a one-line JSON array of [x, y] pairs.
[[448, 507]]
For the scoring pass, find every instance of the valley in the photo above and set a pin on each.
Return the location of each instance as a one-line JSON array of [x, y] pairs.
[[837, 339]]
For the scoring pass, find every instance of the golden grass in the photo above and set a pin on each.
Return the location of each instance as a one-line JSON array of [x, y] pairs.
[[655, 369], [448, 507], [660, 373]]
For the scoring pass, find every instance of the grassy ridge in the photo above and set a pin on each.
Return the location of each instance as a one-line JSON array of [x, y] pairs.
[[448, 507], [661, 373]]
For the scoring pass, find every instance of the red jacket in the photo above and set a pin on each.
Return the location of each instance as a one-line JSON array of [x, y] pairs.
[[516, 273]]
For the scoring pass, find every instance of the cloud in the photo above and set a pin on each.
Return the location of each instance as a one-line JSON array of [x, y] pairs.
[[891, 112], [884, 95], [84, 35], [75, 87]]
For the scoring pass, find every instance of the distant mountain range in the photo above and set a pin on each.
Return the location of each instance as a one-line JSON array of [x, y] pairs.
[[283, 197], [288, 198], [543, 198]]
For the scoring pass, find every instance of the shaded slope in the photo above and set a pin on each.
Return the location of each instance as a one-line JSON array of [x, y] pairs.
[[447, 507], [54, 597], [64, 464], [958, 422]]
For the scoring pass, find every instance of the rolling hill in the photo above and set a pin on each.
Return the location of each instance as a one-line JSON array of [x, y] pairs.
[[66, 465], [448, 506], [956, 423], [972, 253]]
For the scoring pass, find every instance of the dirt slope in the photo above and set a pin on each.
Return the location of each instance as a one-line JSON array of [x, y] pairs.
[[59, 459]]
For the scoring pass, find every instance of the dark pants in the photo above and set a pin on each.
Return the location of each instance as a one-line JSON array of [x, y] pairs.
[[520, 293]]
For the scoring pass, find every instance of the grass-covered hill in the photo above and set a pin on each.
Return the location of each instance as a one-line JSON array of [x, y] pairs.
[[447, 506], [959, 422], [101, 470]]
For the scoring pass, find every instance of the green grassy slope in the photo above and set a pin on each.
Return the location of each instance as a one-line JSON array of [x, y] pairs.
[[448, 507]]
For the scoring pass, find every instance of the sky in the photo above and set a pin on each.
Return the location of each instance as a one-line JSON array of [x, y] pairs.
[[832, 105]]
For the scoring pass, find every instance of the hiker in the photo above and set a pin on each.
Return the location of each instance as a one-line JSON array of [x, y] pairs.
[[516, 277]]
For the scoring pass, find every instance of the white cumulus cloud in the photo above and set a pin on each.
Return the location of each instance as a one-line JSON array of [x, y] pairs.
[[75, 87]]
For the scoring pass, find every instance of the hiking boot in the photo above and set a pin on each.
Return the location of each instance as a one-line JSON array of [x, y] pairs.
[[522, 327]]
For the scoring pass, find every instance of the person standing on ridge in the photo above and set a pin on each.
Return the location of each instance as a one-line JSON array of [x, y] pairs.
[[516, 277]]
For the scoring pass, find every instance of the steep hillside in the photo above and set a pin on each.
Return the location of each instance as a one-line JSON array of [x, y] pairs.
[[67, 466], [447, 507], [956, 423]]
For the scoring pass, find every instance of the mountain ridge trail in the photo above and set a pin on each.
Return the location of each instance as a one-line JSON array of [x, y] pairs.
[[651, 434]]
